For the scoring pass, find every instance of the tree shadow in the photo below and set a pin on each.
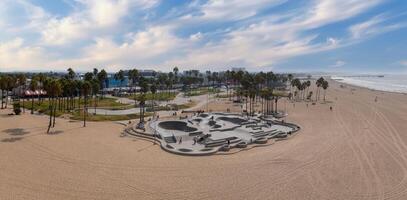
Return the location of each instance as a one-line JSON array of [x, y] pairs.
[[55, 132], [16, 131], [11, 139]]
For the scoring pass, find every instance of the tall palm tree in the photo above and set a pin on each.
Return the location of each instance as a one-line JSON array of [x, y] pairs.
[[119, 76], [144, 89], [3, 87], [153, 89], [21, 83], [53, 88], [95, 90], [102, 77], [33, 87], [71, 74], [134, 76], [325, 86], [319, 84], [86, 90]]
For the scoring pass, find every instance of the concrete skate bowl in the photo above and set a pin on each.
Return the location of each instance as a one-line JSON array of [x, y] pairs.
[[213, 124], [234, 120], [176, 126]]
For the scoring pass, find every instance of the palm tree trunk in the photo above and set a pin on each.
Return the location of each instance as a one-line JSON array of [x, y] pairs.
[[50, 114], [84, 111], [54, 114], [32, 105], [2, 99]]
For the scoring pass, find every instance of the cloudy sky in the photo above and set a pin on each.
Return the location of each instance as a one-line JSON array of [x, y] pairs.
[[281, 35]]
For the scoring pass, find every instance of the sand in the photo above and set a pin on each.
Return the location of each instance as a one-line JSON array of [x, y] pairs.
[[357, 151]]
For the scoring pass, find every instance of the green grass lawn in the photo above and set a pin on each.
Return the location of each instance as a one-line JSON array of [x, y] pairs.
[[43, 107], [98, 118], [201, 91], [162, 96]]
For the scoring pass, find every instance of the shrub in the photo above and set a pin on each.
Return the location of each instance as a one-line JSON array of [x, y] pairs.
[[17, 108]]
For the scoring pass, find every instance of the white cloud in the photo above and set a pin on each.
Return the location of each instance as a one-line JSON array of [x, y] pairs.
[[234, 9], [95, 17], [339, 63], [94, 26], [15, 56], [372, 27]]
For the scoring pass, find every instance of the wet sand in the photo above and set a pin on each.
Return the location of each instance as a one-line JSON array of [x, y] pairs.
[[356, 151]]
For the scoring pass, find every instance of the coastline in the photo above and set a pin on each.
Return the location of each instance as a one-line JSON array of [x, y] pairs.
[[366, 87]]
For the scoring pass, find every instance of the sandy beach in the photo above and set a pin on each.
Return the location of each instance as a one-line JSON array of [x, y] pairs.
[[356, 151]]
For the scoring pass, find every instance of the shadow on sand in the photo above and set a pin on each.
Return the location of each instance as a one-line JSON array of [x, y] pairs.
[[16, 131], [11, 139], [55, 132]]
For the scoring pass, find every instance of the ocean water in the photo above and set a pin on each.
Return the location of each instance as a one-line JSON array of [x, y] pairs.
[[390, 83]]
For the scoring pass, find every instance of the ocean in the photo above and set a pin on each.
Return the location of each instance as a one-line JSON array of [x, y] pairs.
[[389, 83]]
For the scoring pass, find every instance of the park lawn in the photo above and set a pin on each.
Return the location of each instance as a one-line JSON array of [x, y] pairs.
[[201, 91], [98, 118], [162, 96], [222, 96], [105, 102], [280, 93]]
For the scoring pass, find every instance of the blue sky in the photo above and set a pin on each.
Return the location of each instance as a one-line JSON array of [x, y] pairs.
[[359, 36]]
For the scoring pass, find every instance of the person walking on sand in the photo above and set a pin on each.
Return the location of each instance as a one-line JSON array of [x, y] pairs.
[[330, 108], [375, 100]]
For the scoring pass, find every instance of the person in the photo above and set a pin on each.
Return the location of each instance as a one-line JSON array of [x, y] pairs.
[[375, 100], [194, 141], [330, 108], [180, 140], [228, 142]]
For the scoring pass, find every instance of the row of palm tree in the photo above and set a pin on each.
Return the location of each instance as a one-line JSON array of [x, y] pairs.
[[65, 93], [302, 89]]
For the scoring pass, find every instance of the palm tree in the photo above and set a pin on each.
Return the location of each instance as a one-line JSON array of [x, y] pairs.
[[95, 72], [57, 91], [170, 81], [319, 84], [144, 90], [325, 86], [134, 76], [95, 90], [53, 88], [88, 76], [86, 90], [290, 78], [11, 84], [33, 87], [71, 74], [153, 89], [307, 84], [102, 76], [21, 82], [3, 87], [119, 76]]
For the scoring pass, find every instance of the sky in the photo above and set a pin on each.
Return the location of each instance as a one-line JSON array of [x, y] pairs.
[[347, 36]]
